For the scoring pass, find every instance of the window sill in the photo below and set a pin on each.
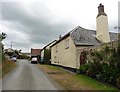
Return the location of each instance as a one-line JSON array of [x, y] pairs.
[[67, 48]]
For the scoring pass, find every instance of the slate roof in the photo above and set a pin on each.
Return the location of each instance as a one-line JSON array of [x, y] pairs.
[[113, 36], [82, 36], [48, 44]]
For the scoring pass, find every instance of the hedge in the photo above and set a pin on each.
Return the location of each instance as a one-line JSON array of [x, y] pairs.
[[103, 65]]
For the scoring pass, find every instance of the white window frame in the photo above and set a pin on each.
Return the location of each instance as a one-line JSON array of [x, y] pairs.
[[56, 48], [67, 44]]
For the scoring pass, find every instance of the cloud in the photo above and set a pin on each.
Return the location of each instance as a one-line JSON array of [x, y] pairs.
[[35, 24], [27, 29]]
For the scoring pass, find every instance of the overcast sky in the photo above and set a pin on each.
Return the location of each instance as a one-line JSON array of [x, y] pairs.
[[34, 23]]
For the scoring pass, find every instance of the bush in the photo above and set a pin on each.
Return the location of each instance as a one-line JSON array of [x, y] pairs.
[[118, 82], [9, 53], [84, 68], [94, 69], [98, 56], [114, 59], [105, 66], [108, 74], [23, 56], [47, 56]]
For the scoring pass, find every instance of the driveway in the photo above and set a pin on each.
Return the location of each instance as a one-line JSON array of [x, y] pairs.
[[27, 76]]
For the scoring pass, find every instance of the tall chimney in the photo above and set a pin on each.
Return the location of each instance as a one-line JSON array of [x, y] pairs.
[[102, 31], [101, 10], [60, 37]]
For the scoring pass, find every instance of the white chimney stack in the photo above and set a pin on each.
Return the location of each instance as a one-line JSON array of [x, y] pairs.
[[102, 32]]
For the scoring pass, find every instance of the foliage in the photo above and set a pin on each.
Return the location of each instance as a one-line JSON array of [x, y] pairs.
[[9, 53], [84, 54], [23, 56], [7, 66], [17, 53], [73, 82], [104, 65], [47, 56], [0, 53], [94, 69], [2, 36], [84, 68], [118, 82], [98, 56], [109, 73]]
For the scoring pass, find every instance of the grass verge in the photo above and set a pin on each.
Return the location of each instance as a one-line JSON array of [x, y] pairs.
[[7, 66], [71, 81]]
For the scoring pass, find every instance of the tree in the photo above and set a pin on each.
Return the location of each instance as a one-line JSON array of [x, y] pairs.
[[2, 36], [47, 55]]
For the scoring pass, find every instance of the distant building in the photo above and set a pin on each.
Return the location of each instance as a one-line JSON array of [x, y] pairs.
[[8, 50], [47, 47], [35, 53]]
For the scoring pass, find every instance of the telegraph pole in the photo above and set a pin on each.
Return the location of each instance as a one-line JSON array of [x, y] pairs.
[[11, 45]]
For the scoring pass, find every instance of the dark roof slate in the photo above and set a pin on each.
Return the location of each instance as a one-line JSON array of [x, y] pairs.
[[82, 36], [48, 45]]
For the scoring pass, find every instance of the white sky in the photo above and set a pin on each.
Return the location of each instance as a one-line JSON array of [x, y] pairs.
[[73, 12]]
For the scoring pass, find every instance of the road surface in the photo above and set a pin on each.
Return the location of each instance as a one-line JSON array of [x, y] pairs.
[[27, 76]]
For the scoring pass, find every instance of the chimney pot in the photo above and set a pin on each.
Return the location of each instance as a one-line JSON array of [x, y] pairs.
[[60, 37]]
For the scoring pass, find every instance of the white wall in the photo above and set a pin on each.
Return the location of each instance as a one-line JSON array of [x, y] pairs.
[[64, 56], [47, 47], [102, 33], [42, 54]]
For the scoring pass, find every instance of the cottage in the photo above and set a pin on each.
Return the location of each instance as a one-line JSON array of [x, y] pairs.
[[46, 48], [65, 51]]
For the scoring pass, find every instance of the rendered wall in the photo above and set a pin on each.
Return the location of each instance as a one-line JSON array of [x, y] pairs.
[[64, 56], [102, 33]]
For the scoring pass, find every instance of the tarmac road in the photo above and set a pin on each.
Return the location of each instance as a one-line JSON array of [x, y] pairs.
[[27, 76]]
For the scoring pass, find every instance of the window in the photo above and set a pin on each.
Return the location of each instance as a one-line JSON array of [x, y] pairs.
[[67, 43], [56, 48]]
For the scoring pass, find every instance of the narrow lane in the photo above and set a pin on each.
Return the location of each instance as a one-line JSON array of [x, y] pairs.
[[27, 76]]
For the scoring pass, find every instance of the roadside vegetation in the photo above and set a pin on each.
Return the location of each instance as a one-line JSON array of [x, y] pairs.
[[18, 53], [6, 65], [0, 59], [47, 57], [103, 64], [70, 81], [100, 70]]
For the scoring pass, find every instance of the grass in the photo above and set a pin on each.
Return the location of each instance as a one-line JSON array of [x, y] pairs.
[[93, 84], [7, 66], [70, 81], [52, 67]]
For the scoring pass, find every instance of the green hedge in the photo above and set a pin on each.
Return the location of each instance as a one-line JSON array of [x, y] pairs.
[[103, 65]]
